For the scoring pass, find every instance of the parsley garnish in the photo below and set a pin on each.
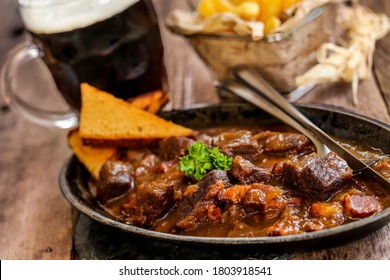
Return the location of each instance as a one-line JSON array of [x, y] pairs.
[[201, 160]]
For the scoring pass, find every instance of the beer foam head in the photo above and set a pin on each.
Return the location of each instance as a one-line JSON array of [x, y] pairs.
[[55, 16]]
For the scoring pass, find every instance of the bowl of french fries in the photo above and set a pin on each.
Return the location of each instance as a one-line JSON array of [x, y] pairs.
[[280, 38]]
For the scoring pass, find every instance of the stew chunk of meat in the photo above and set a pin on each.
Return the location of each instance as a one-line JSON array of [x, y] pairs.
[[264, 197], [239, 143], [194, 209], [361, 206], [315, 177], [172, 147], [116, 179], [287, 143], [246, 173], [155, 194]]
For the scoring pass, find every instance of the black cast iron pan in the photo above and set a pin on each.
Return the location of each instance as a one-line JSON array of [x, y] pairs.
[[74, 177]]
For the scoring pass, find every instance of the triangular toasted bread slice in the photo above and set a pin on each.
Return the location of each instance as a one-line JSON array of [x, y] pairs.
[[109, 121]]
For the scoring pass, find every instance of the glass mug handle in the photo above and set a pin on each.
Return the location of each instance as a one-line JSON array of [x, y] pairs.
[[19, 55]]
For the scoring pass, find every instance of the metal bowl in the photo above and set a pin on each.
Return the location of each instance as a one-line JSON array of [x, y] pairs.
[[74, 177], [280, 57]]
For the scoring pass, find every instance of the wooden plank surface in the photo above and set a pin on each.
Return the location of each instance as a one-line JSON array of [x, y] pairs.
[[382, 55], [36, 221], [371, 100]]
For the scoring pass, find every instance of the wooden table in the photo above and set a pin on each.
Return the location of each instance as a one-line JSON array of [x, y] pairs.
[[36, 222]]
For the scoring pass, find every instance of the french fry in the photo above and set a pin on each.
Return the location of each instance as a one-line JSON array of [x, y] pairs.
[[248, 10], [271, 24], [151, 102]]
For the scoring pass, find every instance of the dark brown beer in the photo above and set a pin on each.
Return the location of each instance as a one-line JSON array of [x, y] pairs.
[[122, 54]]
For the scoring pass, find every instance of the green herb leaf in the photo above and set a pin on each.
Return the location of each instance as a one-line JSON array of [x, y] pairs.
[[220, 161], [201, 160]]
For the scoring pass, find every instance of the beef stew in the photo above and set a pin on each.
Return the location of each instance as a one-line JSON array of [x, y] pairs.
[[275, 186]]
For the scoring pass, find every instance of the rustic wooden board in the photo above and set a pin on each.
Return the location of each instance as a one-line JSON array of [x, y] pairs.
[[35, 220], [370, 94], [382, 55]]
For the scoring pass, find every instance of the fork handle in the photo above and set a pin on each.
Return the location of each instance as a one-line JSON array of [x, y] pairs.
[[252, 79]]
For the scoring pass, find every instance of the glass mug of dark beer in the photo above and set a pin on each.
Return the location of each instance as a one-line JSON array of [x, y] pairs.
[[114, 45]]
